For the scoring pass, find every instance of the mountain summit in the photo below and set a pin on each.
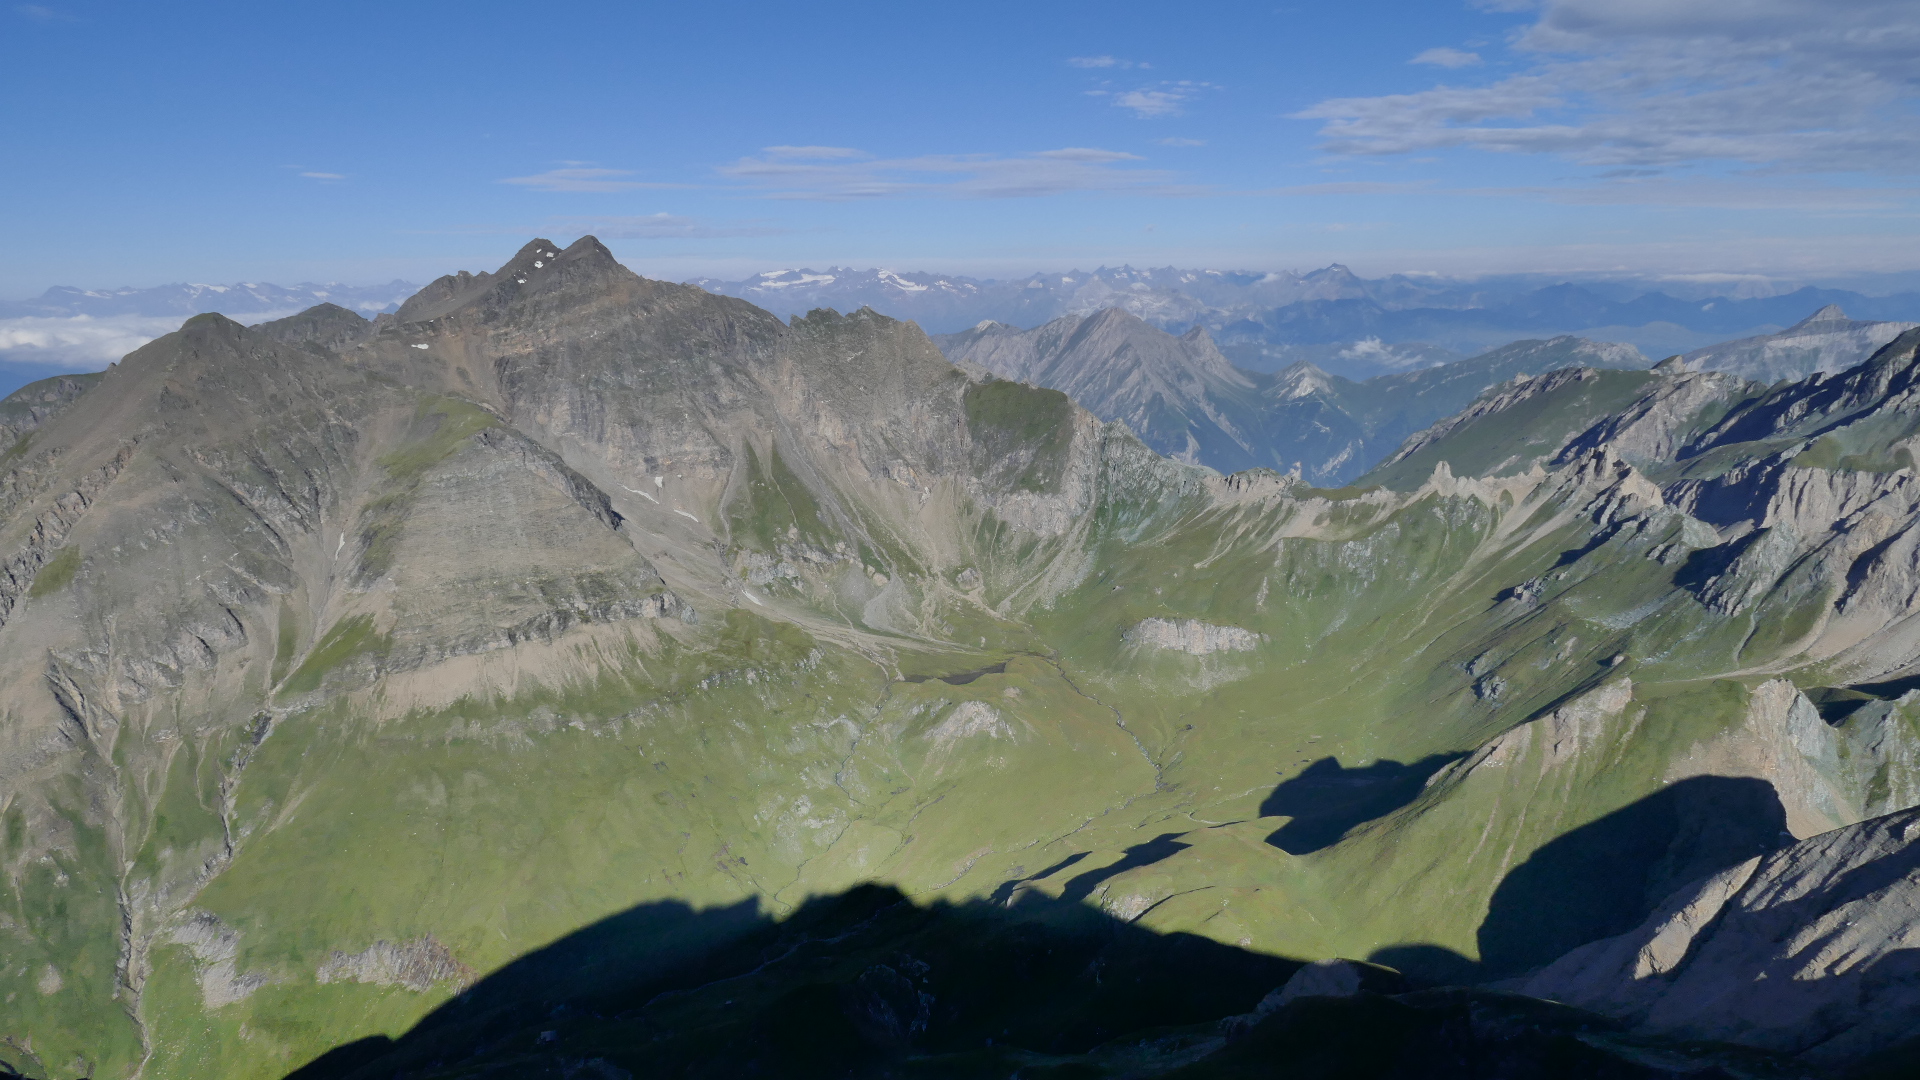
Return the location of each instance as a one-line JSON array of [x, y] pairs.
[[1825, 341], [1829, 314]]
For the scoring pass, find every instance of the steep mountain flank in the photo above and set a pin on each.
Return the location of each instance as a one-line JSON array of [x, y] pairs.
[[1177, 393], [574, 672], [1825, 341]]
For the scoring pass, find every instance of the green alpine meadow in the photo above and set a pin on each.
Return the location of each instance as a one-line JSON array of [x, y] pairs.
[[577, 675]]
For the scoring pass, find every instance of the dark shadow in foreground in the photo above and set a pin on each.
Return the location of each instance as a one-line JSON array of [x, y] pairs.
[[1607, 876], [1326, 799], [870, 986], [845, 985]]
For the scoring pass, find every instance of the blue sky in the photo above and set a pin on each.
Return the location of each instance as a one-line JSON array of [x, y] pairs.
[[292, 141]]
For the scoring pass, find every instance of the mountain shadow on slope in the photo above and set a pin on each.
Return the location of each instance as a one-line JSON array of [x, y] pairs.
[[1164, 846], [1606, 877], [869, 985], [848, 984], [1326, 799], [1837, 703]]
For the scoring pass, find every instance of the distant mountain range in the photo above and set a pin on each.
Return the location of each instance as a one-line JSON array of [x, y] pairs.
[[66, 329], [1346, 324], [233, 301], [1186, 400], [1826, 341]]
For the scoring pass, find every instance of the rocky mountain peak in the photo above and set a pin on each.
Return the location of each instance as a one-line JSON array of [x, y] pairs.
[[327, 325], [541, 264], [1829, 314], [1110, 317], [542, 256], [1301, 379], [1827, 341], [1331, 272]]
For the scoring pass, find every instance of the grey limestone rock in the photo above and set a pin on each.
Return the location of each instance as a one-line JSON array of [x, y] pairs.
[[1812, 950]]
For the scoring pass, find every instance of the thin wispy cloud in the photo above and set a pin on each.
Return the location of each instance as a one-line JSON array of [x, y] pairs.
[[1782, 85], [577, 179], [1657, 191], [1721, 195], [38, 13], [324, 175], [665, 226], [1447, 58], [1105, 62], [1151, 103], [952, 176], [1154, 102], [813, 153], [1181, 142], [1352, 187]]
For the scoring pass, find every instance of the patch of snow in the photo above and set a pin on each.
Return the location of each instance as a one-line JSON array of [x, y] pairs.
[[420, 346], [888, 277], [803, 279], [684, 514], [642, 494]]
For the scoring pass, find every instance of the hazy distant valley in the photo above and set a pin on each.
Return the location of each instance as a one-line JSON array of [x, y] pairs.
[[571, 674]]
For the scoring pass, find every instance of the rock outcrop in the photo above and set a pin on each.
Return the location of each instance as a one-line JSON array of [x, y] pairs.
[[1191, 636], [1810, 950]]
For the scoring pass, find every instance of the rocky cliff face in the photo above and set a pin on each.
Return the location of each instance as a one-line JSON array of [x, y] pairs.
[[1807, 950], [351, 669]]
